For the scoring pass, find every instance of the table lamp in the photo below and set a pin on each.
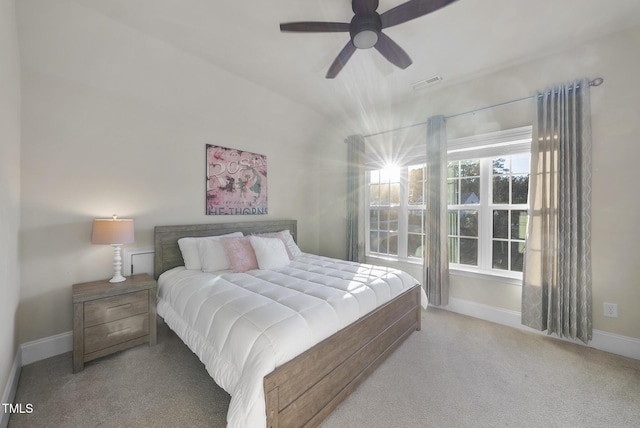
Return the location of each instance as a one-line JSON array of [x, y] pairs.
[[115, 232]]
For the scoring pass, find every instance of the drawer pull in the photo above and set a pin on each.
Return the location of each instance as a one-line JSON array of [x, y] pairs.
[[113, 308], [124, 330]]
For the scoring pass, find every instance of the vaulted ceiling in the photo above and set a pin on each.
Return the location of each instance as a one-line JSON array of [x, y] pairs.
[[464, 39]]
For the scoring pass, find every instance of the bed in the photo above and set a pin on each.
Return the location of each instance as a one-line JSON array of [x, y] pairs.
[[305, 381]]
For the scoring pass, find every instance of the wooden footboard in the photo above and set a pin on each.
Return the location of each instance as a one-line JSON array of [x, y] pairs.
[[305, 390]]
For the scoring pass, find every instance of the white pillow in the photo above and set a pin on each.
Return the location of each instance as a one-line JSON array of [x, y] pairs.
[[191, 254], [293, 248], [270, 252], [285, 235], [213, 256]]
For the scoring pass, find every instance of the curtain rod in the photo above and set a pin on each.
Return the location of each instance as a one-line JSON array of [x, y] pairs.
[[595, 82]]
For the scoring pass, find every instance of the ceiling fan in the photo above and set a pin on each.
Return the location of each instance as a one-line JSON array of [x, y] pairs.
[[366, 29]]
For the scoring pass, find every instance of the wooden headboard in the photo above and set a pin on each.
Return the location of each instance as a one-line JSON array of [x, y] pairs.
[[167, 251]]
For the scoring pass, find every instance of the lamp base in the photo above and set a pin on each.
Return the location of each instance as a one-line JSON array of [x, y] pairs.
[[117, 265]]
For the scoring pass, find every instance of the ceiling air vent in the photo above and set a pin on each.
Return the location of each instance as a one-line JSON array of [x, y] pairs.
[[426, 82]]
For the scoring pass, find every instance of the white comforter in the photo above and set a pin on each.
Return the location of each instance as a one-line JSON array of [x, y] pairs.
[[244, 325]]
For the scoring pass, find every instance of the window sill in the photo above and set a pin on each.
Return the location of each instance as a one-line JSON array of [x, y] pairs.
[[403, 264], [399, 263], [486, 276]]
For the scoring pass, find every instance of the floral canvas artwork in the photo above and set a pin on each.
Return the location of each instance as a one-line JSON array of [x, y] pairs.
[[236, 182]]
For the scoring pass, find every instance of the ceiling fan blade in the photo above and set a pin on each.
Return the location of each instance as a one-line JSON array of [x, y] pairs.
[[392, 52], [341, 60], [411, 10], [315, 27]]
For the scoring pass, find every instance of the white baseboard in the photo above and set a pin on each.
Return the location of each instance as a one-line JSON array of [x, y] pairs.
[[602, 340], [47, 347], [10, 388]]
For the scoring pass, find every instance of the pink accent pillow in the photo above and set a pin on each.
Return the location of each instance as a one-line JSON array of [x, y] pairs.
[[240, 253]]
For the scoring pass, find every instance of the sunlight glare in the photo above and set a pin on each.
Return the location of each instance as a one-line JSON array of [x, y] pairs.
[[390, 173]]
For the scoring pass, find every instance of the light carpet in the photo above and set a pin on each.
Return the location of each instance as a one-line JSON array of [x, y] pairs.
[[456, 372]]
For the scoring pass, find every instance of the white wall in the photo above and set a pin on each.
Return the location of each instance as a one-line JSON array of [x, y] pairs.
[[615, 113], [116, 121], [9, 189]]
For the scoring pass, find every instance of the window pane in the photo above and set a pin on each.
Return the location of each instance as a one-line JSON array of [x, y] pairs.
[[384, 194], [415, 196], [469, 251], [416, 173], [416, 186], [453, 250], [453, 223], [392, 243], [517, 256], [414, 245], [470, 168], [393, 220], [520, 186], [500, 255], [373, 242], [384, 220], [453, 169], [500, 166], [374, 194], [501, 189], [374, 216], [520, 163], [452, 192], [501, 224], [383, 242], [415, 221], [468, 223], [518, 224], [395, 194], [469, 190]]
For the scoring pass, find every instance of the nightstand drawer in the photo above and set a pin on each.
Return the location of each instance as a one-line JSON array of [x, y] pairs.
[[115, 308], [112, 333], [109, 317]]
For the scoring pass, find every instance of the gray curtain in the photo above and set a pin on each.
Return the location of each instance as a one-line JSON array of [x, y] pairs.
[[436, 254], [355, 198], [556, 292]]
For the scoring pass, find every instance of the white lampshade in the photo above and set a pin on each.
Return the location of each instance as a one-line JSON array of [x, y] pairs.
[[112, 231]]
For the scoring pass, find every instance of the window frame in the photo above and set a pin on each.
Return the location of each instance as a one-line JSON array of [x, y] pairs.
[[484, 147], [485, 209]]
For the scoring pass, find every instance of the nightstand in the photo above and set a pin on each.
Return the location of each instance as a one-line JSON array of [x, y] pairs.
[[109, 317]]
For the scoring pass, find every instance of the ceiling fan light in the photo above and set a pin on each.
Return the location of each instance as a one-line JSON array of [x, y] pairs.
[[365, 39]]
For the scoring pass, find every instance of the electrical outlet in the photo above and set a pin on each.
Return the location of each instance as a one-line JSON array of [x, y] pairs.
[[610, 310]]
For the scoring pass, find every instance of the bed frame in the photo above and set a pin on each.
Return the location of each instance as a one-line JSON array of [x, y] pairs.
[[304, 391]]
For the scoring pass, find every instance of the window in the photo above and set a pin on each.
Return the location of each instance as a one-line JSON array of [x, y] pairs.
[[487, 199], [415, 210], [488, 186], [463, 199], [384, 197], [396, 206], [508, 209]]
